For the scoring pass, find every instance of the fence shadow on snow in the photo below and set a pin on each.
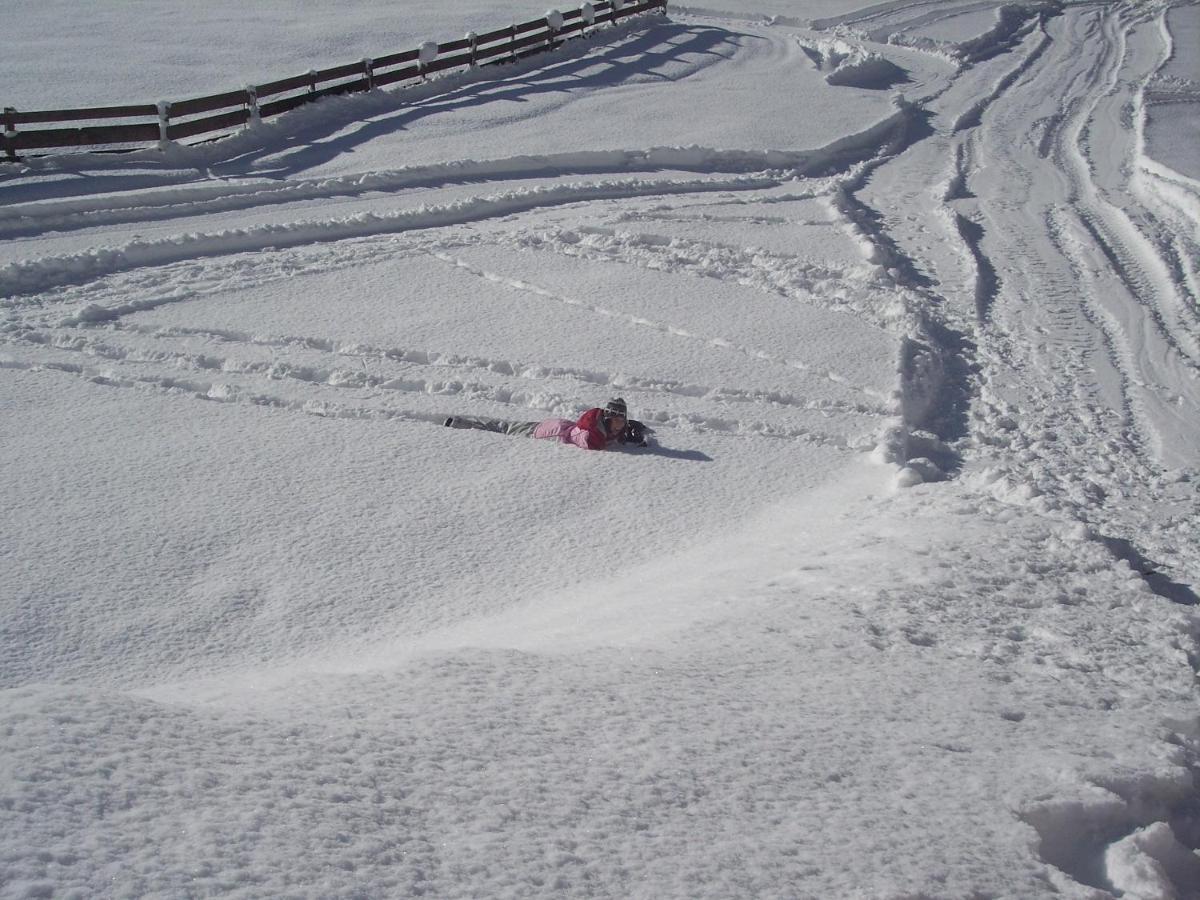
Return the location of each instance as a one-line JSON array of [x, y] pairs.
[[606, 68], [141, 125]]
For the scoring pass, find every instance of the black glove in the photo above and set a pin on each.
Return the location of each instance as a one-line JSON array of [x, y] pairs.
[[634, 433]]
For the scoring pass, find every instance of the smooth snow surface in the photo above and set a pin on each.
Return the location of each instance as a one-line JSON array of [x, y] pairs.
[[143, 51], [901, 601]]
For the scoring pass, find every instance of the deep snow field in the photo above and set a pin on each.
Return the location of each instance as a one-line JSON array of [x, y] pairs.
[[900, 603]]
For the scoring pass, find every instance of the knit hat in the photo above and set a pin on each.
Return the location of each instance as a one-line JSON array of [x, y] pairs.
[[616, 407]]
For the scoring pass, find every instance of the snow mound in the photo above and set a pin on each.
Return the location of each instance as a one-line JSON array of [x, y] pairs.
[[847, 65], [1118, 833], [1151, 864]]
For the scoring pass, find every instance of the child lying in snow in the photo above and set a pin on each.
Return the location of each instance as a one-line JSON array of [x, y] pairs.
[[594, 430]]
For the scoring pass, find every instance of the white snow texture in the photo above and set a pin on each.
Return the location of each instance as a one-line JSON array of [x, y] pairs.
[[900, 601]]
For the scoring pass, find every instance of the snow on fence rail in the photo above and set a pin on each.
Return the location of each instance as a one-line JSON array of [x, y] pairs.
[[163, 122]]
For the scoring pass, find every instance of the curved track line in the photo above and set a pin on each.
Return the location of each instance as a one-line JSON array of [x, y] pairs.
[[102, 345], [35, 276], [718, 343], [228, 391]]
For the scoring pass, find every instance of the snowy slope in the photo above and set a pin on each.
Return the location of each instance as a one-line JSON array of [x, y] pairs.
[[900, 603], [54, 58]]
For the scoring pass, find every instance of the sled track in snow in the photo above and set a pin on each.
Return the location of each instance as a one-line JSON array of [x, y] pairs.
[[1096, 303], [420, 371], [972, 117], [728, 171], [107, 289], [1119, 291], [103, 342], [1095, 306], [245, 385], [1123, 296], [663, 327], [36, 276], [186, 201], [1019, 323], [83, 310]]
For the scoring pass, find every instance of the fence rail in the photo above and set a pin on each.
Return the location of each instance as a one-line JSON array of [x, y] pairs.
[[230, 110]]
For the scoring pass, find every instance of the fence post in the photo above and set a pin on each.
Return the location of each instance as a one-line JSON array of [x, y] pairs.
[[252, 103], [164, 124], [426, 54], [554, 21], [10, 130]]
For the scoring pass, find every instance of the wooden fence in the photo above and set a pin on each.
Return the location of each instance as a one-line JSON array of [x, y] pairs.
[[161, 122]]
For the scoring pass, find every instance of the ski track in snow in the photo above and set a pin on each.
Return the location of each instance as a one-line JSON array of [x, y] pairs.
[[1144, 326], [248, 383], [1117, 301], [1042, 298], [1109, 274], [96, 328], [666, 328], [173, 264], [1160, 291]]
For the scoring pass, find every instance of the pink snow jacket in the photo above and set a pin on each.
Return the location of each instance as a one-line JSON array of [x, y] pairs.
[[587, 433]]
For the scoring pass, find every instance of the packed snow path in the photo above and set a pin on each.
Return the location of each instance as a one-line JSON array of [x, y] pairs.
[[1077, 263], [270, 630]]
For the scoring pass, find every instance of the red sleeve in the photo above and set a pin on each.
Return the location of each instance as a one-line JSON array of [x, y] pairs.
[[593, 427]]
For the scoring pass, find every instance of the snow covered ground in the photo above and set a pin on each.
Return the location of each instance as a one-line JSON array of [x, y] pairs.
[[901, 603]]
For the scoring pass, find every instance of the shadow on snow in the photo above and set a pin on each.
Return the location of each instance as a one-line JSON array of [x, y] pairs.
[[590, 70]]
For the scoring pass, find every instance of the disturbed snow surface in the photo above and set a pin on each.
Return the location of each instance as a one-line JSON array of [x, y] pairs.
[[900, 604]]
